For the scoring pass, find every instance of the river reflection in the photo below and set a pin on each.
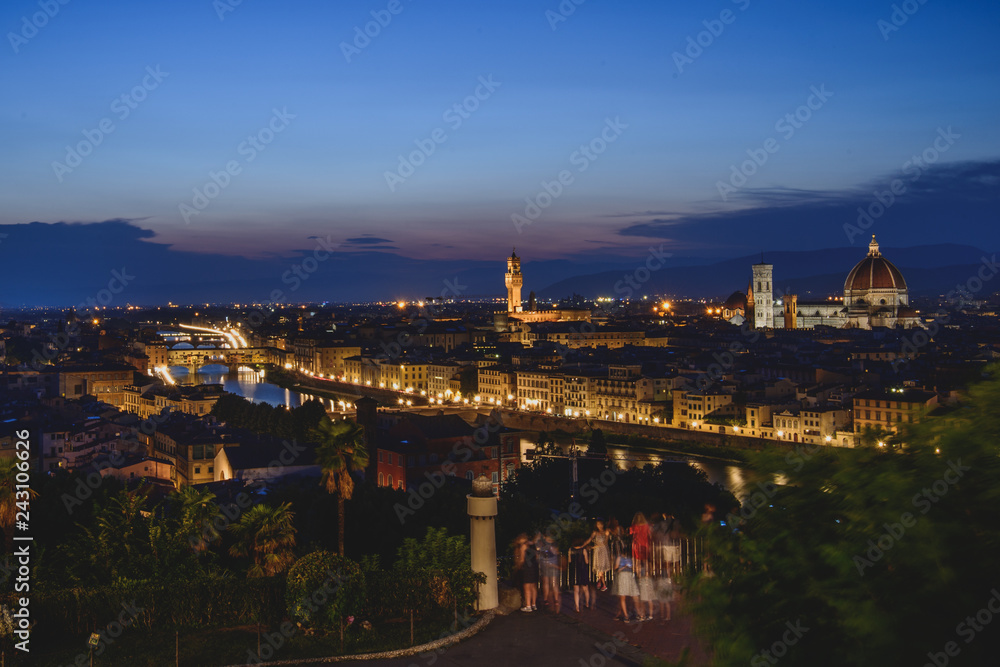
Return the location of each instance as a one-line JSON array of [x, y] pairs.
[[250, 384], [734, 478]]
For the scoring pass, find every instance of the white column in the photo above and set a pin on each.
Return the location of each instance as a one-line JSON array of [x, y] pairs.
[[482, 533]]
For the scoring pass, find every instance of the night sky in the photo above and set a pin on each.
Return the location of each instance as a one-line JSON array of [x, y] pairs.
[[613, 120]]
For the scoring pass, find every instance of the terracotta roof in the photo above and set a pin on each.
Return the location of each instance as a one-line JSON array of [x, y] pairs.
[[874, 272], [736, 300]]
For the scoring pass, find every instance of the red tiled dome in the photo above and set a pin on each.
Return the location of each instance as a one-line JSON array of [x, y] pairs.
[[736, 300], [874, 272]]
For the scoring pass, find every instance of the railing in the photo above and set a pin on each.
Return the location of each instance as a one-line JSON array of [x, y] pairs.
[[669, 557]]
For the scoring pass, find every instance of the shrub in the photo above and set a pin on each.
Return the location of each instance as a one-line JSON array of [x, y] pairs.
[[322, 588]]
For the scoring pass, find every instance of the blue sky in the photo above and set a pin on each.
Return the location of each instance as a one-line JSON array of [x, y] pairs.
[[325, 171]]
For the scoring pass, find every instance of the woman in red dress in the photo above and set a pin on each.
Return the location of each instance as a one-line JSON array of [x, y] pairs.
[[640, 538]]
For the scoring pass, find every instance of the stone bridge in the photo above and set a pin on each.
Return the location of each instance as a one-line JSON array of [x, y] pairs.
[[197, 358]]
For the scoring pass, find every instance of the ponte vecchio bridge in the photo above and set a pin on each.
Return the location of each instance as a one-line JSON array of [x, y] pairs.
[[194, 347], [193, 359]]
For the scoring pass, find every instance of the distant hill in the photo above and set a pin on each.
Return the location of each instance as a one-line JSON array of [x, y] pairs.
[[928, 270]]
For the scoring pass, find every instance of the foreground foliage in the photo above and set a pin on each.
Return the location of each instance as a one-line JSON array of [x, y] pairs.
[[871, 556]]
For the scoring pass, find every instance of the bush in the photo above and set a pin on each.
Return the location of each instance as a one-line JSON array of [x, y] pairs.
[[207, 602], [322, 588]]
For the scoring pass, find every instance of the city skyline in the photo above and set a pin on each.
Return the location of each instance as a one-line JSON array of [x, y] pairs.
[[390, 329]]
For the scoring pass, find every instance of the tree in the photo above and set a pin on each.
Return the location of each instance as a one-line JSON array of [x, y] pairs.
[[340, 453], [342, 579], [446, 563], [598, 445], [871, 436], [875, 555], [122, 529], [266, 536], [8, 499], [196, 515]]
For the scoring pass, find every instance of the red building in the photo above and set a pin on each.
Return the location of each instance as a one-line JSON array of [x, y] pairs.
[[420, 447]]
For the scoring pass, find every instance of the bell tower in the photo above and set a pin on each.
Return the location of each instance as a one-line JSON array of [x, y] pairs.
[[514, 281], [763, 303]]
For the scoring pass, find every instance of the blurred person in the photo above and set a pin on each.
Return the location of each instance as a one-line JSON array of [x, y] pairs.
[[581, 569], [647, 591], [640, 538], [602, 555], [664, 592], [548, 556], [616, 540], [526, 571], [672, 546], [624, 586]]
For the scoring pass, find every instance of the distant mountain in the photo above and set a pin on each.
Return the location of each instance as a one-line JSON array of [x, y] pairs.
[[116, 263], [927, 270]]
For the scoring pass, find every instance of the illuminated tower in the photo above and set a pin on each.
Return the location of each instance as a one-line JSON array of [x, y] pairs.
[[514, 281], [763, 303], [791, 311]]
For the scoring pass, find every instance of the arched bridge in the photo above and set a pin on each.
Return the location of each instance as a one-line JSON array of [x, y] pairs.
[[193, 359]]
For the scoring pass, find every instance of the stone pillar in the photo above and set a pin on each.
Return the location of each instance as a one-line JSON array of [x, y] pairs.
[[482, 508]]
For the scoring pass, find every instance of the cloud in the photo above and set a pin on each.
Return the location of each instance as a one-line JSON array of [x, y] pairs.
[[639, 214], [948, 203], [366, 240]]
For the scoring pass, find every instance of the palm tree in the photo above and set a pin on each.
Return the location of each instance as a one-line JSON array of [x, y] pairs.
[[341, 452], [266, 536], [120, 538], [197, 513]]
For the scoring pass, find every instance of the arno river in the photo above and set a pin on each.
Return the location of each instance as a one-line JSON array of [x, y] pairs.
[[247, 383], [251, 385]]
